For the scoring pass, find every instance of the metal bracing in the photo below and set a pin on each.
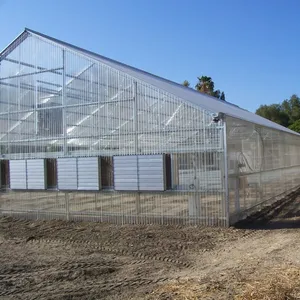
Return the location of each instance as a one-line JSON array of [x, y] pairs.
[[57, 100], [30, 65], [30, 74]]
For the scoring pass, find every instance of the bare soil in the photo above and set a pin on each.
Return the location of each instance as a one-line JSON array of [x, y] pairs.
[[77, 260]]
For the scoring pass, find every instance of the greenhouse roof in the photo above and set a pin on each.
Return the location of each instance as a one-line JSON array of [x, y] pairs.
[[188, 95]]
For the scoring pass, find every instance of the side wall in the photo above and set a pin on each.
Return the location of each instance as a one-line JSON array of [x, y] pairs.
[[263, 165], [55, 103]]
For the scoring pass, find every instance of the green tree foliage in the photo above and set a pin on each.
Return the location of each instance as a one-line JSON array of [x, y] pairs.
[[222, 97], [286, 114], [206, 85], [186, 83], [292, 108], [274, 113], [295, 126]]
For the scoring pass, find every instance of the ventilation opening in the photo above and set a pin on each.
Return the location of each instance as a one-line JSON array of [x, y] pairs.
[[4, 172], [51, 173], [107, 174], [168, 171]]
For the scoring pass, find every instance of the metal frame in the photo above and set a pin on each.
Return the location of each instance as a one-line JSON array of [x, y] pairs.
[[58, 100]]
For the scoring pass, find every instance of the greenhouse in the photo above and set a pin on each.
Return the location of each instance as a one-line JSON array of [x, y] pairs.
[[84, 137]]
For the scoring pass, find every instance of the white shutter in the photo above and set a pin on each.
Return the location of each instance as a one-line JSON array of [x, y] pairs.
[[36, 174], [140, 173], [67, 173], [18, 180], [125, 173], [88, 173], [151, 172]]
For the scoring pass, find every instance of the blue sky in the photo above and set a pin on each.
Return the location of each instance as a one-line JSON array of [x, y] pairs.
[[249, 48]]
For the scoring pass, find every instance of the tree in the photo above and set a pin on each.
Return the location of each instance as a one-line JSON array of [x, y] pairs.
[[186, 83], [206, 85], [217, 94], [274, 113], [292, 108], [222, 97], [295, 126], [286, 114]]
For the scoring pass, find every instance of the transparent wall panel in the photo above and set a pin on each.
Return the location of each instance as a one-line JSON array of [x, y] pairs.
[[56, 102], [262, 164]]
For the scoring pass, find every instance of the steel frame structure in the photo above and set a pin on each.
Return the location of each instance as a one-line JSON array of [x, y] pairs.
[[58, 100]]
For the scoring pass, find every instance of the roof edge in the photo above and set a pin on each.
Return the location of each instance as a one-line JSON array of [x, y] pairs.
[[280, 127], [12, 45], [27, 31], [94, 54]]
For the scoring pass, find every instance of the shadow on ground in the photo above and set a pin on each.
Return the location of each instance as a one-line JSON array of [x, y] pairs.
[[283, 214]]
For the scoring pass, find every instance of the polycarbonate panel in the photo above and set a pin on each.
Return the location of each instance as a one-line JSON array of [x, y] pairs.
[[17, 171], [88, 173], [263, 164], [36, 174], [151, 173], [67, 104], [125, 173], [67, 173], [188, 95]]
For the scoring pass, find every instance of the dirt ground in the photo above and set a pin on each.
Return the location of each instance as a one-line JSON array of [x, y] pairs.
[[76, 260]]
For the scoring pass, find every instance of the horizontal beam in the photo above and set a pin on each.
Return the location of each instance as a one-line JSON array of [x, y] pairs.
[[97, 137], [29, 87], [30, 74], [70, 106], [28, 65]]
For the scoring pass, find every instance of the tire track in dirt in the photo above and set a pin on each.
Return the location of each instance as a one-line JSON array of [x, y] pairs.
[[109, 248], [106, 286], [15, 273], [62, 271]]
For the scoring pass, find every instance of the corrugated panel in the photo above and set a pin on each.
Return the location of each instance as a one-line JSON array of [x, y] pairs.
[[188, 95], [67, 173], [142, 172], [18, 180], [125, 173], [151, 173], [36, 174], [88, 173]]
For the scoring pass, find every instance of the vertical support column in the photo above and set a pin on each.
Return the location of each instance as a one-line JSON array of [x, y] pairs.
[[36, 102], [36, 114], [8, 120], [262, 166], [67, 206], [19, 96], [225, 175], [136, 146], [1, 183], [63, 103], [136, 150]]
